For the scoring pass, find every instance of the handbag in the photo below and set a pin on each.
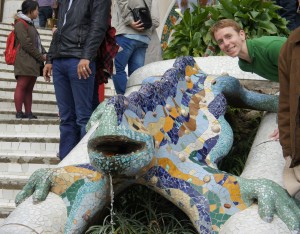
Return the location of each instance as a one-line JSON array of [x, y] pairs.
[[142, 14]]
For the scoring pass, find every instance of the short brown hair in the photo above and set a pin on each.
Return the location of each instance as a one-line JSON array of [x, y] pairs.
[[224, 23]]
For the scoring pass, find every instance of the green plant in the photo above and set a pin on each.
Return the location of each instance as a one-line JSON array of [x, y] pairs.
[[140, 210], [191, 35]]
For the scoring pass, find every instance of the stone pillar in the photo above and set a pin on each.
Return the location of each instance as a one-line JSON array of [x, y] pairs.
[[10, 9], [164, 10]]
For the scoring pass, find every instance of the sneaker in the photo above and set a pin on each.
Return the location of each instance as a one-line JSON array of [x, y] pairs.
[[20, 115], [30, 116]]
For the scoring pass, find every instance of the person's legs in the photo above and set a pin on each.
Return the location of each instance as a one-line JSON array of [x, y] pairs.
[[83, 90], [69, 133], [45, 12], [28, 94], [121, 60], [137, 58], [42, 17], [20, 92]]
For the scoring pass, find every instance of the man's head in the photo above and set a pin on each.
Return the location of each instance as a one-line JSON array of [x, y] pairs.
[[230, 37]]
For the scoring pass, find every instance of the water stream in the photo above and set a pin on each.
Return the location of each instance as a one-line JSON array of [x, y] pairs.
[[112, 213]]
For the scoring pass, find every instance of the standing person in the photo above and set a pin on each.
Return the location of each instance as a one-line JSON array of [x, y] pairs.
[[258, 55], [29, 59], [290, 11], [80, 30], [289, 111], [132, 38], [45, 11]]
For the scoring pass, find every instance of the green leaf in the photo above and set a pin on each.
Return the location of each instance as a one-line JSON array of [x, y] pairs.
[[254, 14], [228, 6], [268, 26]]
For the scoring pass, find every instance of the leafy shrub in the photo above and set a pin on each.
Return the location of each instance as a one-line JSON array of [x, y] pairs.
[[191, 35], [139, 210]]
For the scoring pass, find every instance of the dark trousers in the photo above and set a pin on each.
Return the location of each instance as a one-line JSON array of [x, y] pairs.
[[75, 101], [45, 12]]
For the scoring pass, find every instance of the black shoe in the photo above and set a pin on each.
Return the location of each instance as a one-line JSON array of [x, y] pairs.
[[20, 115], [30, 116]]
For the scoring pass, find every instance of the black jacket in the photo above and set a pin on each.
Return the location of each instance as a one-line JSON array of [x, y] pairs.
[[83, 31], [289, 12]]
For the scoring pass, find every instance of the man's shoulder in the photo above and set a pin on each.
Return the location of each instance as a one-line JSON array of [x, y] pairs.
[[265, 42], [267, 39]]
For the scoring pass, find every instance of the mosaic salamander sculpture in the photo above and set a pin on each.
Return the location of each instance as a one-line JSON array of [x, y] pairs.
[[168, 136]]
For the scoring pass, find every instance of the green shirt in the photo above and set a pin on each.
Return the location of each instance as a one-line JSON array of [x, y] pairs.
[[264, 53]]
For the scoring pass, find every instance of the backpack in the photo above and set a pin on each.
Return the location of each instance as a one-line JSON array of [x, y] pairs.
[[10, 48]]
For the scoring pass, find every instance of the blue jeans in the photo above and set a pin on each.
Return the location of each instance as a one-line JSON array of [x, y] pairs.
[[45, 12], [133, 53], [74, 99]]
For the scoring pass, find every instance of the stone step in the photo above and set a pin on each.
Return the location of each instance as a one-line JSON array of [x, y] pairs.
[[37, 94], [3, 39], [35, 90], [30, 127], [44, 38], [42, 88], [9, 114], [11, 182], [3, 46], [10, 186], [6, 207], [32, 158], [40, 84], [6, 26], [37, 105], [7, 72], [20, 137], [23, 169], [7, 75], [25, 145], [28, 145]]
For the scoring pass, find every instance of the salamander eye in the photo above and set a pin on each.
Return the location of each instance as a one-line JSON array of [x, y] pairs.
[[135, 126]]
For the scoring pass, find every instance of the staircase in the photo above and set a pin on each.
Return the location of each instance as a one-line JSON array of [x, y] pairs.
[[26, 145]]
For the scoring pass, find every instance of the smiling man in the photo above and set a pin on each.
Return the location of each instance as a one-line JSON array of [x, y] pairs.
[[258, 55]]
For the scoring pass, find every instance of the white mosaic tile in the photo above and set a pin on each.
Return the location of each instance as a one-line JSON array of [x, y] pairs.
[[44, 217]]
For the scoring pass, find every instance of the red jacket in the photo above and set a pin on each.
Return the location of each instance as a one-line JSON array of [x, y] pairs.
[[105, 55]]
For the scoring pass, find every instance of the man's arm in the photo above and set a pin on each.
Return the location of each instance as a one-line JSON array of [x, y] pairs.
[[284, 108], [155, 14], [125, 12], [98, 26]]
